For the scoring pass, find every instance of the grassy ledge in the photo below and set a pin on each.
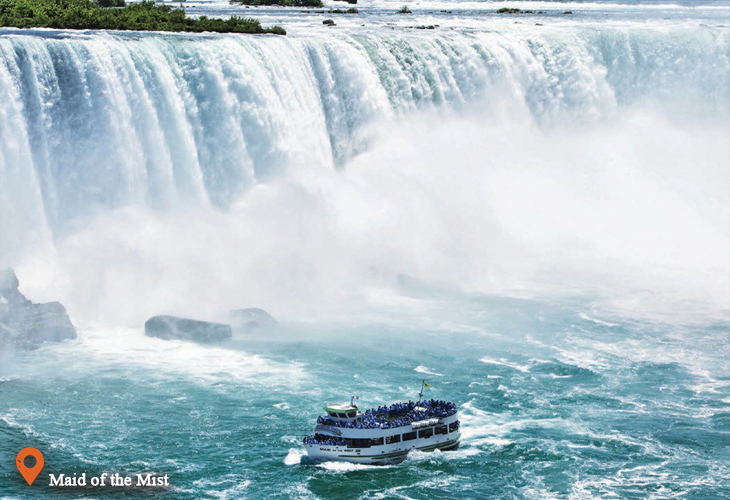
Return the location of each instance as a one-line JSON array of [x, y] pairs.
[[116, 15]]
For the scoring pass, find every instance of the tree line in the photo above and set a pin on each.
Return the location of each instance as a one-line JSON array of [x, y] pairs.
[[116, 15]]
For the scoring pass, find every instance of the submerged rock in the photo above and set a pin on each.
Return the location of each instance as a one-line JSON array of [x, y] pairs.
[[26, 324], [172, 327], [252, 318]]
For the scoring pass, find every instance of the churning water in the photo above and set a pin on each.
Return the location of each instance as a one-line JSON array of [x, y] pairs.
[[532, 212]]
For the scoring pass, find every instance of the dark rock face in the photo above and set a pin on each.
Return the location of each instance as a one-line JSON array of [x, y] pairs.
[[9, 293], [25, 324], [253, 318], [172, 327]]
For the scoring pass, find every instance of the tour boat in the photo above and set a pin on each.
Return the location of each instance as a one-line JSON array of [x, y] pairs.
[[383, 435]]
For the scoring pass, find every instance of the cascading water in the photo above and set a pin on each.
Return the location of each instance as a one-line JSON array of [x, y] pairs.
[[100, 122], [465, 202]]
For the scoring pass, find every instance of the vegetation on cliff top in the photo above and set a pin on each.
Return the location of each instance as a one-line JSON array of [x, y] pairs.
[[142, 16], [283, 3]]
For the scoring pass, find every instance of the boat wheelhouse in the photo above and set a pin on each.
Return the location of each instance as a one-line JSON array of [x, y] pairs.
[[385, 434]]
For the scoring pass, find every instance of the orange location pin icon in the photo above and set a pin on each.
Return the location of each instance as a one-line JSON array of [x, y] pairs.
[[29, 473]]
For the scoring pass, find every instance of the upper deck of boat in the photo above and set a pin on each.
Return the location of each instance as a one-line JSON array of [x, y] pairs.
[[386, 417]]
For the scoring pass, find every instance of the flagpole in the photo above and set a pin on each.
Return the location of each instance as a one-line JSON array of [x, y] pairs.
[[420, 394]]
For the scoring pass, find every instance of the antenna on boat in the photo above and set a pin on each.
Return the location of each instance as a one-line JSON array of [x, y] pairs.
[[423, 386], [352, 400]]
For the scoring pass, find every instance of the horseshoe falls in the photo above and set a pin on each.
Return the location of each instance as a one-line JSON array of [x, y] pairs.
[[529, 211]]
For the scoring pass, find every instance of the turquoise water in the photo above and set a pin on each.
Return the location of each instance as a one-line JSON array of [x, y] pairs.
[[530, 213], [555, 403]]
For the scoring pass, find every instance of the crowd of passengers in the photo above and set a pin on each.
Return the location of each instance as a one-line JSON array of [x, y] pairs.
[[395, 415], [328, 441]]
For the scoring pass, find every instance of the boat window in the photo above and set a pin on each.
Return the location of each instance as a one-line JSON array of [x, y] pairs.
[[351, 414], [409, 436], [332, 414], [441, 429], [392, 439], [425, 433], [358, 443], [454, 426], [376, 441]]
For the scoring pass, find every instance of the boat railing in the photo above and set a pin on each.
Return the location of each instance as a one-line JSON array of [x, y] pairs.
[[328, 428], [426, 423], [415, 425], [397, 415]]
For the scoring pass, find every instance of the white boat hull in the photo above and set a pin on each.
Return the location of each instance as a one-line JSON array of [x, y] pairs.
[[383, 454]]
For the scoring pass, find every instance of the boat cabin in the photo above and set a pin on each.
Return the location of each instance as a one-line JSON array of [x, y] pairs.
[[342, 412]]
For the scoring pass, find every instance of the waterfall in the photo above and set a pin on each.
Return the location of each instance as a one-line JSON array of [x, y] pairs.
[[95, 122]]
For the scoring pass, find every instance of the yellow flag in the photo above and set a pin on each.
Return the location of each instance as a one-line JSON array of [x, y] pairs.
[[426, 385]]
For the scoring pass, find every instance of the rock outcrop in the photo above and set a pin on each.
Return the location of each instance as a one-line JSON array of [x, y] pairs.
[[26, 324], [252, 318], [172, 327]]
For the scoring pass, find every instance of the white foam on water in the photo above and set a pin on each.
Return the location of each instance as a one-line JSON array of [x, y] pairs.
[[505, 362], [294, 456], [595, 320], [10, 421], [183, 466], [584, 358], [340, 467], [480, 428], [131, 353], [652, 478], [213, 487], [491, 442], [462, 453], [700, 353], [299, 491], [434, 483], [209, 364], [15, 419], [477, 383], [449, 327], [427, 371], [536, 489]]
